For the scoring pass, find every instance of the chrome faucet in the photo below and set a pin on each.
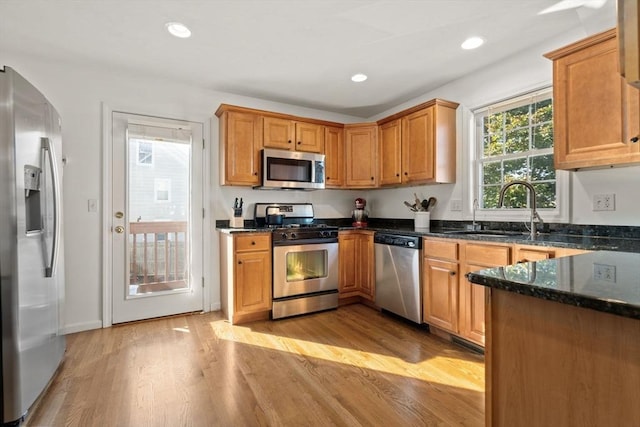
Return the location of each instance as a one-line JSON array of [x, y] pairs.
[[532, 203], [474, 226]]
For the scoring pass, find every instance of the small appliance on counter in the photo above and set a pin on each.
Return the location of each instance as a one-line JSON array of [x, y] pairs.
[[360, 215]]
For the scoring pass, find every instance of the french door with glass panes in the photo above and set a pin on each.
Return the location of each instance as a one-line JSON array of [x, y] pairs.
[[156, 218]]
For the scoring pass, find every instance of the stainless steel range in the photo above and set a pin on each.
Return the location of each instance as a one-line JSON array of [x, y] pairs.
[[305, 259]]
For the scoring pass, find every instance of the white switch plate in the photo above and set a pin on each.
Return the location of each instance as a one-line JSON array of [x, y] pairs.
[[456, 205], [604, 202], [92, 205], [604, 272]]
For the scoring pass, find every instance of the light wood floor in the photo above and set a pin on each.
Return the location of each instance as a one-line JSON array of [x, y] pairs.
[[347, 367]]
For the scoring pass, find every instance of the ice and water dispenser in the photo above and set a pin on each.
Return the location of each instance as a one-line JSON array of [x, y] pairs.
[[32, 202]]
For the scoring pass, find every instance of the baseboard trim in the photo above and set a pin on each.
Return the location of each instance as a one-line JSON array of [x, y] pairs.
[[80, 327]]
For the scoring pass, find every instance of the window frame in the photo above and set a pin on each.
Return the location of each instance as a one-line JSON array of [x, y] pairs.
[[558, 214], [139, 143]]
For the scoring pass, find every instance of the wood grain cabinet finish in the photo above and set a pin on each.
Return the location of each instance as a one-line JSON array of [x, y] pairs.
[[355, 264], [334, 156], [418, 145], [246, 276], [240, 144], [287, 134], [478, 256], [361, 155], [596, 113], [440, 284]]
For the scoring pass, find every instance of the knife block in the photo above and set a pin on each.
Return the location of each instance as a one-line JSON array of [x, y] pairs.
[[236, 222]]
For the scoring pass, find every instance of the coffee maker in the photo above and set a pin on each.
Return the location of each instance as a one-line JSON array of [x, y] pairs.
[[360, 215]]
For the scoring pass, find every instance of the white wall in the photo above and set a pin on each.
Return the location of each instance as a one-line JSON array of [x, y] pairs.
[[78, 92], [518, 74]]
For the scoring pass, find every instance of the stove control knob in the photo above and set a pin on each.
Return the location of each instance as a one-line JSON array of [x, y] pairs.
[[284, 236], [324, 234], [293, 235]]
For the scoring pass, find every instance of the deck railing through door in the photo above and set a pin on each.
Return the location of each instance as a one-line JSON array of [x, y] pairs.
[[159, 254]]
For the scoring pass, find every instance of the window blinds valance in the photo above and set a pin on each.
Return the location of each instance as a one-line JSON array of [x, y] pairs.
[[159, 133]]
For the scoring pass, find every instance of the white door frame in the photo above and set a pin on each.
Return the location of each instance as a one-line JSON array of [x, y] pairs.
[[107, 258]]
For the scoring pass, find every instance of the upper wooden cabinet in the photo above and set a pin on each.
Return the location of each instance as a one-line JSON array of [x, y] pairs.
[[360, 155], [629, 40], [418, 145], [245, 131], [596, 115], [390, 152], [334, 156], [240, 144], [293, 135]]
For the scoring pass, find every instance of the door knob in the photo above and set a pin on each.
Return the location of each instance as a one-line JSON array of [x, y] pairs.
[[119, 229], [119, 215]]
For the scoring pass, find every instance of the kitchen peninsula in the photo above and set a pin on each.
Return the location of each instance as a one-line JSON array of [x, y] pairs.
[[563, 341]]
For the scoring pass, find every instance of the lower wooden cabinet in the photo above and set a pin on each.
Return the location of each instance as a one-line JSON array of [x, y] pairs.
[[355, 264], [453, 304], [245, 282]]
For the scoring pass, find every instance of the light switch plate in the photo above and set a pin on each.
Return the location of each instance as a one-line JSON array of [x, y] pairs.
[[92, 205], [456, 205]]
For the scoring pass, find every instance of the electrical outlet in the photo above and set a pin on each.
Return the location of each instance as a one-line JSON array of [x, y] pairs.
[[456, 205], [92, 205], [604, 272], [604, 202]]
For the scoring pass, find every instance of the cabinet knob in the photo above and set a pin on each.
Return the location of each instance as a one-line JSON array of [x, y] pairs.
[[299, 142], [239, 262], [397, 174], [371, 178], [452, 273], [406, 173], [635, 139], [253, 243], [255, 173], [289, 141]]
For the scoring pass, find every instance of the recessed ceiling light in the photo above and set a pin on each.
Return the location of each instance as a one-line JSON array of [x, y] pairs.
[[179, 30], [472, 43], [359, 77]]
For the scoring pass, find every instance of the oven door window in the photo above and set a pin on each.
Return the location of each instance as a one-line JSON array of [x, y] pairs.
[[289, 170], [306, 265]]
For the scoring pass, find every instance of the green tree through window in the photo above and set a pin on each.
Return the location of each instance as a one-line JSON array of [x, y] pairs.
[[515, 142]]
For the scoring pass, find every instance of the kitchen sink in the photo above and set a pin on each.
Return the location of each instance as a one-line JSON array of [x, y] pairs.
[[486, 233]]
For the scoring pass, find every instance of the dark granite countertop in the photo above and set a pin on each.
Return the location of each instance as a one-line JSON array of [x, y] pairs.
[[606, 281]]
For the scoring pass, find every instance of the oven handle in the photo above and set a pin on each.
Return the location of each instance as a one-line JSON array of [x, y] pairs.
[[304, 241]]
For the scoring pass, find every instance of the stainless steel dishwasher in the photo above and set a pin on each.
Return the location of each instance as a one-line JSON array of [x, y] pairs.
[[398, 287]]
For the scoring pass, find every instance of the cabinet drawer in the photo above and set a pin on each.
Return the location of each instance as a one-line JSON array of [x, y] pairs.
[[528, 254], [253, 242], [440, 249], [489, 255]]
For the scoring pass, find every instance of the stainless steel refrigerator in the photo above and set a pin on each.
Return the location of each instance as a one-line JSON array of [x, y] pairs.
[[31, 246]]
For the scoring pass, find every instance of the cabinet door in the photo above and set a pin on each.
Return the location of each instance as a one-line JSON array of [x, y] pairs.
[[418, 148], [440, 296], [279, 133], [472, 301], [389, 147], [240, 143], [347, 262], [309, 137], [253, 281], [365, 267], [334, 156], [595, 111], [361, 156]]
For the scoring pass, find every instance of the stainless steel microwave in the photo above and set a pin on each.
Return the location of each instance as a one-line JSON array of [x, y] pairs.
[[292, 170]]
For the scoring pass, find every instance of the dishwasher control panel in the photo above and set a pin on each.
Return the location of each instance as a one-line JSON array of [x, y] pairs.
[[410, 242]]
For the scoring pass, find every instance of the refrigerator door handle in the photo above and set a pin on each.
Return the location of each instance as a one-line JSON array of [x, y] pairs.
[[50, 270]]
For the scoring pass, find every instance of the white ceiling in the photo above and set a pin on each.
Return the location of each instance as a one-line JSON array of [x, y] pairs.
[[300, 52]]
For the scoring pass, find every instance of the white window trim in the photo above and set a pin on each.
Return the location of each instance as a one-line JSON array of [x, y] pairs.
[[563, 181], [156, 188], [138, 141]]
